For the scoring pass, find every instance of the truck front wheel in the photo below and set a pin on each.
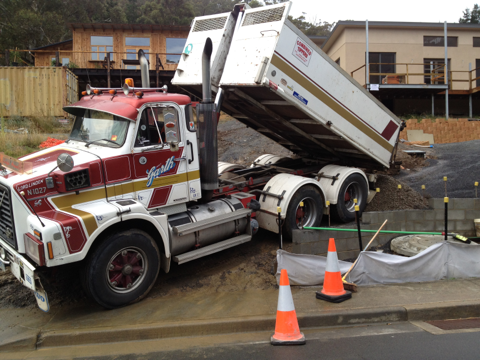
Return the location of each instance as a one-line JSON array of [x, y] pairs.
[[310, 215], [354, 187], [122, 269]]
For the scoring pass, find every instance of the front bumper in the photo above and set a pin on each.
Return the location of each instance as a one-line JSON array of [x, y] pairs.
[[24, 272]]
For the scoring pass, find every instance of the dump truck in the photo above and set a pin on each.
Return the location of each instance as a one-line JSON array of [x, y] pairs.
[[138, 185]]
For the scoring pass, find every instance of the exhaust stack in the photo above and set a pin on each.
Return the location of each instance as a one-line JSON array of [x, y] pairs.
[[207, 130], [144, 69]]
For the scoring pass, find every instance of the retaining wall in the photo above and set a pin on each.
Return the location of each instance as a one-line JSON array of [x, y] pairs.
[[445, 131], [461, 213]]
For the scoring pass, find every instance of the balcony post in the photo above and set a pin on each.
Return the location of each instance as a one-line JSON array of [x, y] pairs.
[[446, 68], [7, 58]]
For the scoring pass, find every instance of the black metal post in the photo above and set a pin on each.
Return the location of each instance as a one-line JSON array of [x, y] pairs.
[[328, 210], [357, 217], [279, 221], [303, 213], [446, 216], [108, 70], [157, 69]]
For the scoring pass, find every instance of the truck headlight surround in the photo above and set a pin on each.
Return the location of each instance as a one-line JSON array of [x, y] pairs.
[[34, 249]]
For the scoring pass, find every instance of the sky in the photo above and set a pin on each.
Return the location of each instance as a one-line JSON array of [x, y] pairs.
[[375, 10]]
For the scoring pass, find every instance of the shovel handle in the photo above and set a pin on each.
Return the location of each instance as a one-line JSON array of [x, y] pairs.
[[366, 247]]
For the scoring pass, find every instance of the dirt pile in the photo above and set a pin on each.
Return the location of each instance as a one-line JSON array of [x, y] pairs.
[[391, 197]]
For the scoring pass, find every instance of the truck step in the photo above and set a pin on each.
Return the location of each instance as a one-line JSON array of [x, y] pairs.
[[212, 249], [182, 230]]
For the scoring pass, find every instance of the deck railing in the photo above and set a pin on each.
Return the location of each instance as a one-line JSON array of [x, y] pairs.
[[84, 59], [411, 76]]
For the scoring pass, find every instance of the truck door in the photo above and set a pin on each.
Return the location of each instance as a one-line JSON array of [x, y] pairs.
[[160, 169], [191, 151]]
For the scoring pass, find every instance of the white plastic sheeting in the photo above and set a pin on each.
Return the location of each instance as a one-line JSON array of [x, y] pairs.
[[305, 269], [440, 261]]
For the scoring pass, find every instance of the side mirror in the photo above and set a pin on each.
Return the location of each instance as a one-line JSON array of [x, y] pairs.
[[65, 162]]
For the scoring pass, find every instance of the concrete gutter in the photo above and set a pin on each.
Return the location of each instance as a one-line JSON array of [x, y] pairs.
[[215, 314]]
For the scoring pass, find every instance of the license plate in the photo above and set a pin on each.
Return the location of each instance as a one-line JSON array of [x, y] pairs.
[[41, 296]]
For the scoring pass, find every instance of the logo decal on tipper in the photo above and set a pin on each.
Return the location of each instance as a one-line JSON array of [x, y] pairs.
[[302, 52]]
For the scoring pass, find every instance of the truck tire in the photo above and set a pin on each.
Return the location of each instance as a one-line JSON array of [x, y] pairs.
[[122, 269], [354, 187], [313, 203]]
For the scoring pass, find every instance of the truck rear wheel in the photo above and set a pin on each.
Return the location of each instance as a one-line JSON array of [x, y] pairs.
[[122, 269], [312, 212], [354, 187]]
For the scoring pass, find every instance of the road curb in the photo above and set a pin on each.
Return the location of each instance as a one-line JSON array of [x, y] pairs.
[[20, 342], [418, 312], [200, 328], [443, 311]]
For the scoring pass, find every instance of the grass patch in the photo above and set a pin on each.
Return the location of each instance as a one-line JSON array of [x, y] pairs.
[[18, 145], [39, 129]]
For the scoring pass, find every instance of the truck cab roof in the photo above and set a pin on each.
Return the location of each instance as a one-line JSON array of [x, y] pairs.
[[125, 106]]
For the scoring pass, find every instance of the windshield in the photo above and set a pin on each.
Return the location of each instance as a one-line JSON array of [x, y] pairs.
[[102, 128]]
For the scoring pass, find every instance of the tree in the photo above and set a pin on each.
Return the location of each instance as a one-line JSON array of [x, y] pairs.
[[209, 7], [471, 17], [166, 12], [317, 28]]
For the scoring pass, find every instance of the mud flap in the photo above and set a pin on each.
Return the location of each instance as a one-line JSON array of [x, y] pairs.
[[41, 296]]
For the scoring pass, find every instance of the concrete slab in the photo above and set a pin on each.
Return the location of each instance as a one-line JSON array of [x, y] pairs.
[[411, 245]]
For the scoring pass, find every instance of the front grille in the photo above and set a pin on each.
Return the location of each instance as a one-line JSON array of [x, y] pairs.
[[77, 180], [264, 16], [7, 226], [210, 24]]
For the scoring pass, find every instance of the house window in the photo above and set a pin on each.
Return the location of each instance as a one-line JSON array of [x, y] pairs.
[[452, 41], [380, 65], [338, 61], [132, 45], [174, 46], [132, 55], [137, 41], [476, 42], [100, 45], [436, 69], [65, 61]]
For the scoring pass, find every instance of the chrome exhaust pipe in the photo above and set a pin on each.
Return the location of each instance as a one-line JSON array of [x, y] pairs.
[[207, 130], [144, 69], [206, 80]]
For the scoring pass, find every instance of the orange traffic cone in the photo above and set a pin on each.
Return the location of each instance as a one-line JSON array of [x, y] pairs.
[[333, 290], [287, 331]]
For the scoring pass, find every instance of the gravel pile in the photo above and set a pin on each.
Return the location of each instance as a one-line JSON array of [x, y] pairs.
[[457, 161]]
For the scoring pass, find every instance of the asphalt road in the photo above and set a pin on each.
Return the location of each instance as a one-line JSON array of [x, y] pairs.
[[459, 162], [386, 341]]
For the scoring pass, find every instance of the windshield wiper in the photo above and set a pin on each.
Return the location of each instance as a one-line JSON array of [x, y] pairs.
[[93, 141]]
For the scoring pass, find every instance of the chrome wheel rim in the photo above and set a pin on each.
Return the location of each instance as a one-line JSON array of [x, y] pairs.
[[126, 269], [352, 191], [307, 215]]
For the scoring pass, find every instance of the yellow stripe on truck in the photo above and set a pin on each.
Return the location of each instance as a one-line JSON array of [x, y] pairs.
[[66, 202], [331, 103]]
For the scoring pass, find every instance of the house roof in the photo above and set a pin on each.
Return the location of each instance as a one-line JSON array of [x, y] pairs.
[[342, 25], [318, 40], [130, 27], [54, 44]]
